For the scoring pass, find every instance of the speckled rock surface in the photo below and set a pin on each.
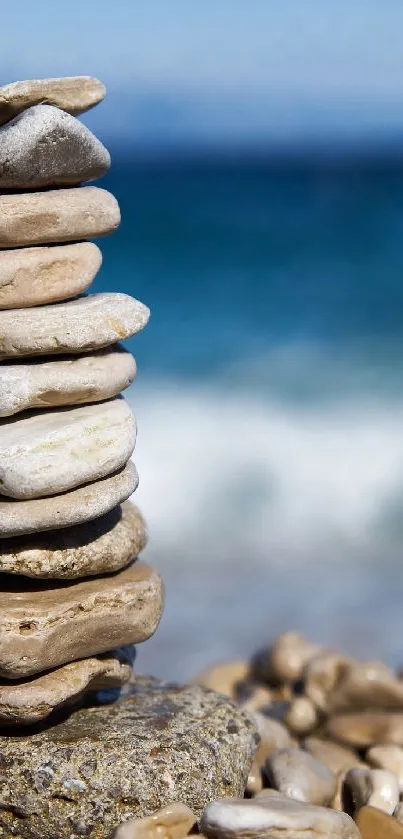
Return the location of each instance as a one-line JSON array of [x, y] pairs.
[[44, 146], [71, 380], [74, 94], [101, 546], [82, 325], [104, 765], [56, 215], [75, 507], [36, 276]]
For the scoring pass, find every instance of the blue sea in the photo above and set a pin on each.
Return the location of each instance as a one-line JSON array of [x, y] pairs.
[[269, 398]]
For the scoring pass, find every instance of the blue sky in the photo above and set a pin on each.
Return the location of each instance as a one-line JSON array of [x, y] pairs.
[[206, 69]]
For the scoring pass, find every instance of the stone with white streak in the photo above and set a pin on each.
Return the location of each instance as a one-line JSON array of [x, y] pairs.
[[46, 147], [48, 452], [78, 326], [274, 816], [51, 383]]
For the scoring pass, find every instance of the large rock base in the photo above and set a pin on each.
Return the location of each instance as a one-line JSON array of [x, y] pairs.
[[104, 764]]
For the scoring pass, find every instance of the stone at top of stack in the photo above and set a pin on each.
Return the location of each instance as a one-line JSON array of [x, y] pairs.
[[66, 435]]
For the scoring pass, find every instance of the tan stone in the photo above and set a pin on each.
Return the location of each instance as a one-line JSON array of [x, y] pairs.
[[336, 683], [285, 660], [78, 326], [271, 815], [373, 824], [73, 94], [101, 546], [387, 757], [44, 626], [36, 276], [254, 697], [362, 730], [223, 677], [51, 383], [58, 215], [72, 508], [297, 774], [48, 452], [273, 735], [171, 822], [337, 758], [45, 147], [373, 787], [398, 813], [254, 783], [301, 716], [31, 700]]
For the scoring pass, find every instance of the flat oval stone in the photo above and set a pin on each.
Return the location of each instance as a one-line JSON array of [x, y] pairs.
[[31, 700], [48, 452], [299, 775], [73, 94], [284, 661], [373, 787], [72, 508], [171, 822], [101, 546], [44, 147], [274, 816], [81, 325], [57, 215], [337, 758], [67, 381], [36, 276], [362, 730], [159, 744], [45, 625]]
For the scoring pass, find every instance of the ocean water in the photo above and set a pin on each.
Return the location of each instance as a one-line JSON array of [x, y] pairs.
[[269, 399]]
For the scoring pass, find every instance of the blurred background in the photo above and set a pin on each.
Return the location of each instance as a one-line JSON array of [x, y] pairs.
[[258, 160]]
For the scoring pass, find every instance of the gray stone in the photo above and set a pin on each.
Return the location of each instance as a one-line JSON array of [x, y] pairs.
[[56, 215], [44, 147], [299, 775], [101, 546], [271, 815], [78, 326], [75, 507], [74, 94], [104, 765], [47, 452], [74, 380]]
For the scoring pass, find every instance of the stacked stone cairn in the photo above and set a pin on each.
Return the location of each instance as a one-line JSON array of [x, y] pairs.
[[84, 744], [74, 598]]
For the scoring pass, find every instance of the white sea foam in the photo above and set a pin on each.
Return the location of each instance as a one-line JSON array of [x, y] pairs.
[[223, 472]]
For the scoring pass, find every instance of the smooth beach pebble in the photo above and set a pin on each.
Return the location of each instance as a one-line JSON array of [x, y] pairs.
[[57, 215], [373, 787], [36, 276], [254, 697], [335, 757], [171, 822], [301, 717], [336, 683], [45, 625], [276, 817], [31, 700], [273, 736], [297, 774], [362, 730], [48, 452], [373, 824], [159, 743], [285, 660], [82, 325], [101, 546], [254, 783], [51, 383], [224, 677], [43, 147], [74, 507], [387, 757], [73, 94]]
